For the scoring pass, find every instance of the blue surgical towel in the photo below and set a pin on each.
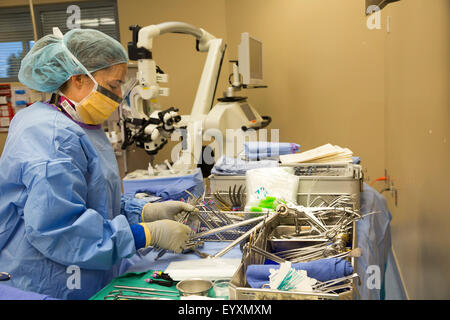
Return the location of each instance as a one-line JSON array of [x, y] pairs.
[[167, 187], [229, 166], [11, 293], [321, 270], [175, 189], [255, 150], [356, 160]]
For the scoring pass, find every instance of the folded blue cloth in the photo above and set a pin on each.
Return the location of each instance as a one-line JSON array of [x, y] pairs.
[[255, 150], [11, 293], [322, 270], [167, 187], [229, 166], [356, 160]]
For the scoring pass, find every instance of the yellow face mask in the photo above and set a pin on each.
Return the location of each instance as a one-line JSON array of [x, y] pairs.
[[98, 105]]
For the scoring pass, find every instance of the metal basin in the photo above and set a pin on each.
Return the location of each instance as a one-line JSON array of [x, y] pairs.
[[194, 287]]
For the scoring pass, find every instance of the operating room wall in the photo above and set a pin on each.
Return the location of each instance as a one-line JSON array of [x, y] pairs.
[[382, 94], [14, 3], [417, 134]]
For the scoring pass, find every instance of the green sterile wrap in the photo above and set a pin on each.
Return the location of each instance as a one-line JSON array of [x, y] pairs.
[[132, 279]]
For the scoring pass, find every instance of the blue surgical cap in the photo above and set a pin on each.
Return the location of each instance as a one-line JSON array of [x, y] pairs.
[[49, 65]]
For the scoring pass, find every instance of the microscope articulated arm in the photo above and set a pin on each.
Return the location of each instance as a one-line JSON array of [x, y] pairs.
[[148, 88], [205, 43]]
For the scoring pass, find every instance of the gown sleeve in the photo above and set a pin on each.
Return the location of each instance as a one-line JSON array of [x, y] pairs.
[[59, 224], [131, 208]]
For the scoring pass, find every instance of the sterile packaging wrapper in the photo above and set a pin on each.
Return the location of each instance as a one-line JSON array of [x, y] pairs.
[[279, 182]]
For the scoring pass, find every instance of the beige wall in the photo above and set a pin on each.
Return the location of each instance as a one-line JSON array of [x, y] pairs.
[[417, 138], [331, 79], [3, 136], [384, 95], [14, 3], [322, 66]]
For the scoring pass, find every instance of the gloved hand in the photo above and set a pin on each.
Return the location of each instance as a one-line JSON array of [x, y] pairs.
[[171, 210], [168, 234]]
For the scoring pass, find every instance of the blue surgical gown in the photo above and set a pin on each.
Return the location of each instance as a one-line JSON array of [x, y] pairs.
[[64, 227]]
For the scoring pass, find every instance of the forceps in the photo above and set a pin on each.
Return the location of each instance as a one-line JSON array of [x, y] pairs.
[[120, 296], [182, 219], [332, 285], [158, 293]]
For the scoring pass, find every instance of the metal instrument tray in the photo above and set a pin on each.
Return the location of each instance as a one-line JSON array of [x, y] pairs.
[[240, 290]]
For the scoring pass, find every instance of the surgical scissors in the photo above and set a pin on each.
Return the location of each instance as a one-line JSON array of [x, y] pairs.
[[266, 254], [330, 285], [4, 276]]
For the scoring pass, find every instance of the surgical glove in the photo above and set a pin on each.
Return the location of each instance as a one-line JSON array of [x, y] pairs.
[[171, 210], [168, 234]]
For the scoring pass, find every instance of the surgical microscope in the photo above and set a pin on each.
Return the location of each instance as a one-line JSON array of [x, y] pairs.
[[149, 126]]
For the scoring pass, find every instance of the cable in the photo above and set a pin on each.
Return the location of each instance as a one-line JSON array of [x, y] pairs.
[[378, 179]]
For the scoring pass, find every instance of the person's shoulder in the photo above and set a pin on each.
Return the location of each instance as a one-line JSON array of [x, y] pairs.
[[43, 116], [37, 114], [42, 124], [41, 134]]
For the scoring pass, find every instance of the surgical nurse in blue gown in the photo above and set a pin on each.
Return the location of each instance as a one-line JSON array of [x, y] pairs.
[[64, 226]]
